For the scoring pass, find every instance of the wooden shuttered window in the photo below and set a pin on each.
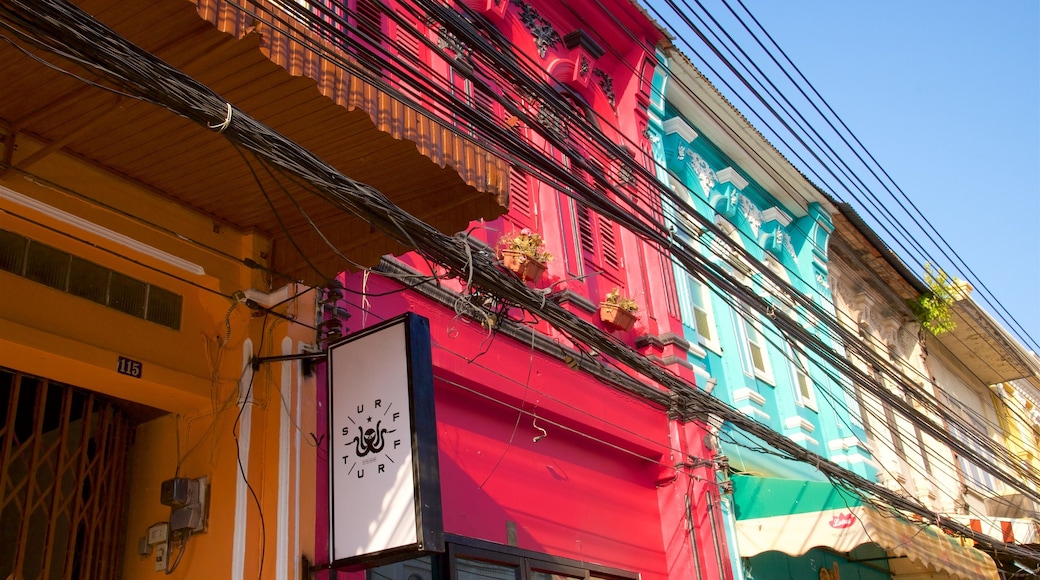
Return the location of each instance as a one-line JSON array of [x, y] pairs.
[[599, 240], [522, 200], [407, 33], [698, 303], [703, 324]]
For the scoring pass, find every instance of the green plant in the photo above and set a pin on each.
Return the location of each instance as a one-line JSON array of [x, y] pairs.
[[614, 298], [527, 243], [933, 309]]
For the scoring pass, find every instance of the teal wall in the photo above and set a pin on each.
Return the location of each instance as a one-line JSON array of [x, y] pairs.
[[798, 250]]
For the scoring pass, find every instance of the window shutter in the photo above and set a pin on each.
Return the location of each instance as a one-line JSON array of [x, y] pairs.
[[757, 356], [519, 194], [588, 244], [369, 20], [407, 35], [609, 242], [369, 17], [484, 102], [408, 46], [703, 323], [804, 386]]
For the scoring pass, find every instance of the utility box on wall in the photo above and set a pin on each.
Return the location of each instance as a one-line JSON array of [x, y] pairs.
[[187, 500]]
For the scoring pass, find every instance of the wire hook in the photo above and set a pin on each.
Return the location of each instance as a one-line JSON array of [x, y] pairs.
[[537, 438]]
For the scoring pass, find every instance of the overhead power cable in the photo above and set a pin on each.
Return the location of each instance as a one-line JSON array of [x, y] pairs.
[[852, 144], [641, 223], [601, 209], [55, 26]]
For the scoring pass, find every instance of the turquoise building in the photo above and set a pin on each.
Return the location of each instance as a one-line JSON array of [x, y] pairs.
[[723, 172]]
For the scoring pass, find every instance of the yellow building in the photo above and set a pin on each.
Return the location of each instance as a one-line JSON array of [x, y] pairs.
[[1018, 409], [145, 262]]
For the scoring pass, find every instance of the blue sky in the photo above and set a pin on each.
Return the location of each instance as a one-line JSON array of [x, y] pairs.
[[946, 96]]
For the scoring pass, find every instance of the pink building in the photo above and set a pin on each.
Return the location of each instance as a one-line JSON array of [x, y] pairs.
[[552, 460]]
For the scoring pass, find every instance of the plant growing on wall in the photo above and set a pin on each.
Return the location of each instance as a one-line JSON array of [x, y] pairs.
[[933, 309]]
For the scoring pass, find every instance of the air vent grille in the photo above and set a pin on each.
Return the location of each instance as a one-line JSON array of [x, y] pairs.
[[63, 271]]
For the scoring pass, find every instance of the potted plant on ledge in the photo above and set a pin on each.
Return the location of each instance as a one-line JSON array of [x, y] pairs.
[[524, 254], [617, 310]]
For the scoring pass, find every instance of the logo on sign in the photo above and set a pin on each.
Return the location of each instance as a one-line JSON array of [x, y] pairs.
[[370, 439], [841, 521]]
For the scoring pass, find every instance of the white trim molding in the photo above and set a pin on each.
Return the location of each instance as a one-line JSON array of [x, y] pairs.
[[754, 412], [803, 438], [680, 126], [101, 231], [746, 394], [730, 175], [775, 214], [799, 423]]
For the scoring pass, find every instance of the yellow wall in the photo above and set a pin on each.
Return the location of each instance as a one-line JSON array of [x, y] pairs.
[[194, 374], [1015, 412]]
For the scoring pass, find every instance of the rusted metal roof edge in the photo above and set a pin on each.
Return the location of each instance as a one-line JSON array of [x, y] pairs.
[[476, 166]]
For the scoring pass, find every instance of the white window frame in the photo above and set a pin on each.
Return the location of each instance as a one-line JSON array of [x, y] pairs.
[[776, 294], [800, 374], [698, 292], [974, 475], [748, 346]]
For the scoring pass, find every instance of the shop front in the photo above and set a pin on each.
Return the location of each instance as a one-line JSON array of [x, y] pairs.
[[532, 469], [799, 529]]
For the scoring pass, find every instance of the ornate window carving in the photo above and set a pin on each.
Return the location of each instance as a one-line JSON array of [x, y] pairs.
[[544, 34]]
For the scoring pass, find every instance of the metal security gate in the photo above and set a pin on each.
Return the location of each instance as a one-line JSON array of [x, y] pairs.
[[63, 472]]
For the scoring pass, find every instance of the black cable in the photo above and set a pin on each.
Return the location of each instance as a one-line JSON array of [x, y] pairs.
[[1023, 333], [856, 153], [247, 400], [440, 248]]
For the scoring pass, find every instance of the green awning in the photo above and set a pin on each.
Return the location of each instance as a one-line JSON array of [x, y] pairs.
[[793, 517], [763, 497]]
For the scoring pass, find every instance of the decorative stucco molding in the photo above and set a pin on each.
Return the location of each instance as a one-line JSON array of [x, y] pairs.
[[803, 438], [799, 423], [755, 413], [730, 175], [581, 39], [775, 214], [606, 84], [449, 42], [746, 394], [679, 126], [661, 341], [750, 211], [705, 175]]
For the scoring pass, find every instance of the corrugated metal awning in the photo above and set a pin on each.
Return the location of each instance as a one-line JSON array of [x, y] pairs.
[[281, 74]]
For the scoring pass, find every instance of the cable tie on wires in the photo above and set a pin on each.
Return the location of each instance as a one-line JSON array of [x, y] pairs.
[[227, 121]]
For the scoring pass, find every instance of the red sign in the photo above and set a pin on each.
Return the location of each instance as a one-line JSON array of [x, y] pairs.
[[842, 521]]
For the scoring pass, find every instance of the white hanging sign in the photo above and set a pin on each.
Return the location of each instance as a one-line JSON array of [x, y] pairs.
[[383, 473]]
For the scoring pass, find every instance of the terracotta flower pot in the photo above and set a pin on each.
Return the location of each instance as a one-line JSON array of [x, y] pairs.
[[522, 265], [616, 316]]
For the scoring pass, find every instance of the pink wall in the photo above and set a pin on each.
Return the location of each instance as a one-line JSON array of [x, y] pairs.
[[568, 495], [598, 486], [601, 483]]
